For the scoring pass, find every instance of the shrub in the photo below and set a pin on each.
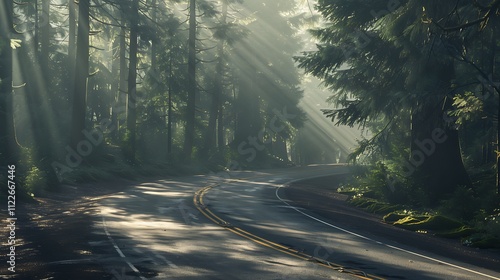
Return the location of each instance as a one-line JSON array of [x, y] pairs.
[[35, 181], [461, 205]]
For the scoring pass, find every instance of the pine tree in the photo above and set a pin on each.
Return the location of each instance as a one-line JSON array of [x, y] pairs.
[[7, 137], [383, 62], [81, 73]]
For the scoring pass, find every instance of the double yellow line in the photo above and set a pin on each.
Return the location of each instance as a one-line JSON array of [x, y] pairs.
[[198, 202]]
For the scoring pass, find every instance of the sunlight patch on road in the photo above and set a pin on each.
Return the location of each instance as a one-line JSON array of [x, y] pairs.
[[165, 193]]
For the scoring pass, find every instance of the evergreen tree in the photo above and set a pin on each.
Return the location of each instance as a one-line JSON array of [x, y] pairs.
[[382, 63], [8, 145]]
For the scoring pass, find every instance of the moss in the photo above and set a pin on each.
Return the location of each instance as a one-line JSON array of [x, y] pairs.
[[460, 232], [410, 222], [439, 222], [393, 217], [434, 223]]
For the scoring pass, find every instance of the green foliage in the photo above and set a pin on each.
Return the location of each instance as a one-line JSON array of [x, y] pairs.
[[388, 67], [460, 232], [468, 107], [382, 181], [35, 181], [462, 204], [488, 232], [374, 206]]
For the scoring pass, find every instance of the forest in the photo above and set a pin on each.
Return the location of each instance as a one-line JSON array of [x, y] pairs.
[[117, 88], [94, 90]]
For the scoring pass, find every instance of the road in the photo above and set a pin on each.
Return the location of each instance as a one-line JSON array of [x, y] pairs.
[[239, 226]]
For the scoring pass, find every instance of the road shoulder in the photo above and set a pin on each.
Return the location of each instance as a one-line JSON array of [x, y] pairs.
[[319, 197]]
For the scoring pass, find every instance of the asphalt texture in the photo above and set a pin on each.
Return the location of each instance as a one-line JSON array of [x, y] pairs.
[[274, 228]]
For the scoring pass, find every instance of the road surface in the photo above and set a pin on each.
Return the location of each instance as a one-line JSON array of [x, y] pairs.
[[239, 225]]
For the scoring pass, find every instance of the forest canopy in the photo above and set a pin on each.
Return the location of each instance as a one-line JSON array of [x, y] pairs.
[[95, 89], [422, 75], [103, 88]]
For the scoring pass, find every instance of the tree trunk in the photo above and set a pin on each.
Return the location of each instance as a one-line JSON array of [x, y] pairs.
[[45, 38], [221, 143], [212, 121], [191, 101], [279, 148], [42, 91], [8, 147], [81, 73], [72, 18], [436, 160], [169, 121], [132, 84], [493, 49], [154, 43], [215, 124], [247, 107], [115, 87], [220, 83], [122, 91]]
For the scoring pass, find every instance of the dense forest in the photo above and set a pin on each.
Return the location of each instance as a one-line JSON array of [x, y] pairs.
[[423, 77], [95, 88]]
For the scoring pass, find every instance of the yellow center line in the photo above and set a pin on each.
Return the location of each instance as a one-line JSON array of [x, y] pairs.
[[198, 202]]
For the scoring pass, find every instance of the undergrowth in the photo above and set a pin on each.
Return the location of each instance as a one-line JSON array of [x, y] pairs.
[[470, 214]]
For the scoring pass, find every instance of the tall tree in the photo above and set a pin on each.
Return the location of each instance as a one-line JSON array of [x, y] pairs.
[[81, 72], [191, 100], [215, 129], [154, 41], [45, 37], [378, 83], [221, 64], [268, 81], [122, 88], [132, 79], [7, 136], [72, 19]]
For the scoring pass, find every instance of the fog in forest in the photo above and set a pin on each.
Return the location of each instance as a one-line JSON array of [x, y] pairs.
[[208, 93], [403, 93]]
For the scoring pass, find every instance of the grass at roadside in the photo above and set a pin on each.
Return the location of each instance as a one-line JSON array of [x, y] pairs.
[[469, 214], [483, 234]]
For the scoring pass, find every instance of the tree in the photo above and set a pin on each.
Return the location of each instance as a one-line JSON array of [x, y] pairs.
[[72, 25], [132, 101], [215, 122], [81, 73], [475, 34], [268, 81], [7, 136], [355, 58], [191, 100]]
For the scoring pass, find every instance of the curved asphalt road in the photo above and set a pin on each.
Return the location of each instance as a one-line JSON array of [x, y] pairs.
[[157, 232]]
